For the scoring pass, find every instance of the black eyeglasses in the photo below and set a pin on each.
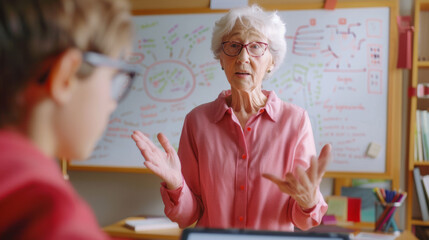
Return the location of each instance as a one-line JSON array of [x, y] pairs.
[[123, 79], [254, 49]]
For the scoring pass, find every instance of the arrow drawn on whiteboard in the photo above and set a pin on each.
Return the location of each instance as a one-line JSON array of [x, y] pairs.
[[343, 45], [306, 43]]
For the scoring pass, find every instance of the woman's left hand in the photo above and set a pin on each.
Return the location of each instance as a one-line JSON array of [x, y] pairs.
[[304, 186]]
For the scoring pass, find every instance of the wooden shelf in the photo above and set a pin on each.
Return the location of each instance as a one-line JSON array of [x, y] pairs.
[[417, 76], [419, 222], [421, 163], [424, 5], [423, 64]]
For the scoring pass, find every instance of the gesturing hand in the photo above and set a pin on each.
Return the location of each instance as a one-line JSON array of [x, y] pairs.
[[304, 187], [165, 165]]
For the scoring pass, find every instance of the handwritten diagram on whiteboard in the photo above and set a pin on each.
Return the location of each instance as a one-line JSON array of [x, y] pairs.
[[336, 67]]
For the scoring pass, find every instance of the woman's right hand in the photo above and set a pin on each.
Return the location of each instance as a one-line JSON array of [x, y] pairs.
[[166, 164]]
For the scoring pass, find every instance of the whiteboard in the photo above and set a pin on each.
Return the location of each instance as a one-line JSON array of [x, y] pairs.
[[336, 67]]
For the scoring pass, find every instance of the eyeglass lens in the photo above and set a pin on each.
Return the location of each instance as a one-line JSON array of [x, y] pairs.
[[254, 49], [121, 81], [121, 84]]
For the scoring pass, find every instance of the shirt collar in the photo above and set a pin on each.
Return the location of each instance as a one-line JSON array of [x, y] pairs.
[[271, 108]]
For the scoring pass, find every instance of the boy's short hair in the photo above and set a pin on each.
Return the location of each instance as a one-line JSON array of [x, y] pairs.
[[32, 32]]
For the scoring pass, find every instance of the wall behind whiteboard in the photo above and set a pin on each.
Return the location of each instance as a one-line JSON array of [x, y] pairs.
[[336, 68]]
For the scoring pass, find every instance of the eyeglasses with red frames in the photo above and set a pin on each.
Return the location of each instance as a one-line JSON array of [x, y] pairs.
[[254, 49]]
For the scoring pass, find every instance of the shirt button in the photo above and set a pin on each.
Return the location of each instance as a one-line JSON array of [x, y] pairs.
[[244, 156], [241, 218], [242, 187], [248, 129]]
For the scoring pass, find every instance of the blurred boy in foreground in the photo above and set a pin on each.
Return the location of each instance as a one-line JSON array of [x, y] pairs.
[[60, 78]]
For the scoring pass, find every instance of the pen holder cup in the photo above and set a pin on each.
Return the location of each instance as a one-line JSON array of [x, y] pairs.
[[384, 216]]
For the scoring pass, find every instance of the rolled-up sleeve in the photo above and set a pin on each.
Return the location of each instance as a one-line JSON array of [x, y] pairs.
[[306, 220], [304, 151], [183, 205]]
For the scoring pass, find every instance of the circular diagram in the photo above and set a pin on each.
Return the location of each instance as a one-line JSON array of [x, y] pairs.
[[169, 81]]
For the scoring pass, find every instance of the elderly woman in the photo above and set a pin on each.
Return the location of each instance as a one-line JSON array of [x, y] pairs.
[[244, 155]]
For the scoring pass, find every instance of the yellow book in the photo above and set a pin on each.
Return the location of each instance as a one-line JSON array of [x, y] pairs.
[[337, 206]]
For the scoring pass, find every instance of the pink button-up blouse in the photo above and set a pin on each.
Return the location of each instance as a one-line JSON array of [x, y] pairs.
[[222, 166]]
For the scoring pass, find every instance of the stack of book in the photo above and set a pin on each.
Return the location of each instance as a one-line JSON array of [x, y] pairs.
[[342, 210], [422, 189], [150, 224], [367, 210], [421, 136], [423, 90]]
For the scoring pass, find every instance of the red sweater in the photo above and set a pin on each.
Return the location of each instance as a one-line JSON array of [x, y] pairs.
[[35, 201]]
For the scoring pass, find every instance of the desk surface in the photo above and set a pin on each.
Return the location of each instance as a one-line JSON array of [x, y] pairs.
[[119, 230]]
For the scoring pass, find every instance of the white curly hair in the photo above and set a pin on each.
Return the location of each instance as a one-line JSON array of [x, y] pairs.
[[253, 17]]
